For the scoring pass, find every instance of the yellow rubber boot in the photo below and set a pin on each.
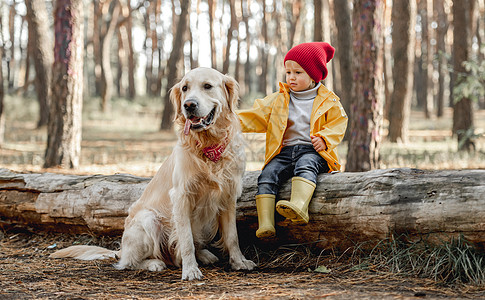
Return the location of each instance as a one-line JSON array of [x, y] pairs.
[[265, 208], [297, 208]]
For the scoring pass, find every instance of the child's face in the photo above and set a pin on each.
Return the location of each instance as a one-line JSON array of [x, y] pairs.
[[296, 77]]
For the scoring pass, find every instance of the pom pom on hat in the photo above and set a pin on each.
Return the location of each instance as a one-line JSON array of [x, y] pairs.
[[313, 58]]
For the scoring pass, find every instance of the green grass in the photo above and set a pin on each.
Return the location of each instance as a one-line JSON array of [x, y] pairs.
[[453, 261]]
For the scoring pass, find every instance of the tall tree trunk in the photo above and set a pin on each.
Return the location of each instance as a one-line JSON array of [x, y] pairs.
[[245, 7], [387, 67], [442, 23], [295, 20], [175, 56], [213, 50], [121, 63], [327, 37], [2, 93], [367, 91], [157, 42], [237, 65], [317, 20], [106, 72], [232, 28], [11, 61], [151, 46], [148, 50], [480, 34], [42, 54], [344, 53], [424, 92], [462, 113], [281, 44], [247, 65], [97, 37], [130, 54], [239, 20], [190, 34], [23, 64], [64, 128], [403, 20], [264, 56], [28, 55]]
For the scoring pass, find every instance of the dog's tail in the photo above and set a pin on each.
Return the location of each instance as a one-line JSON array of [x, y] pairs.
[[85, 253]]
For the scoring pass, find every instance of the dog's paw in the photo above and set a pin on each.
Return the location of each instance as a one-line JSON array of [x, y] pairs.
[[191, 273], [154, 265], [242, 264], [119, 266], [206, 257]]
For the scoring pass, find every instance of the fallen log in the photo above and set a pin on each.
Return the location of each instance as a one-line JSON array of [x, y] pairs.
[[347, 208]]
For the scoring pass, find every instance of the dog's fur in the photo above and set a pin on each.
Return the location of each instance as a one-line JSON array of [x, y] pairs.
[[191, 198]]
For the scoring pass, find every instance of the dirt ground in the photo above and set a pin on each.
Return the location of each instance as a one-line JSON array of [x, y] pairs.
[[26, 272]]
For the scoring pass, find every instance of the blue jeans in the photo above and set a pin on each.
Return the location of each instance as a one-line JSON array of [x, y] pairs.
[[299, 160]]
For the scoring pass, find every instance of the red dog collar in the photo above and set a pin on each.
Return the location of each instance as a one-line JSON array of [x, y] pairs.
[[214, 152]]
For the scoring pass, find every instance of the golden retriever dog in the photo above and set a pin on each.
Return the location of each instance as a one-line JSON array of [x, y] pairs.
[[193, 195]]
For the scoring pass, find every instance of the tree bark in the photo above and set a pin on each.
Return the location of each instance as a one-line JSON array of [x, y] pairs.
[[294, 20], [344, 53], [264, 51], [233, 27], [2, 93], [42, 55], [97, 36], [403, 20], [367, 90], [317, 20], [442, 21], [130, 54], [329, 81], [106, 72], [175, 56], [212, 12], [462, 112], [347, 208], [11, 61], [247, 65], [64, 128], [424, 92]]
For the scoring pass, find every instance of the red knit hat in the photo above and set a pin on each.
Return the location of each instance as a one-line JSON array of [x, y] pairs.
[[313, 58]]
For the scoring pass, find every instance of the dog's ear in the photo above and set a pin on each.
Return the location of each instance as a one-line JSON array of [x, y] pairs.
[[176, 99], [232, 92]]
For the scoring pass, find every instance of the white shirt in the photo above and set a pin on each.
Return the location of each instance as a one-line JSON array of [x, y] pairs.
[[300, 109]]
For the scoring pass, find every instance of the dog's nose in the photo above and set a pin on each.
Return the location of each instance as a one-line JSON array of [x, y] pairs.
[[191, 105]]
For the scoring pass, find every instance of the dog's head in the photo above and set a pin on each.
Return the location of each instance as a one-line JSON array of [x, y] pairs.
[[202, 96]]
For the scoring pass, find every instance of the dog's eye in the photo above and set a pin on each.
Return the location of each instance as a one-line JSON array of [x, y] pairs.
[[207, 86], [185, 88]]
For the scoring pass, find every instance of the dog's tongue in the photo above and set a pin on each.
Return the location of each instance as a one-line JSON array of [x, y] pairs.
[[187, 126]]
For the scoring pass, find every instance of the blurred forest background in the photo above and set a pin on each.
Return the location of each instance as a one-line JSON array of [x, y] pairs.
[[84, 83]]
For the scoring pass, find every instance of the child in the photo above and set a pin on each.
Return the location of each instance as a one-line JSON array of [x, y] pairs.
[[304, 122]]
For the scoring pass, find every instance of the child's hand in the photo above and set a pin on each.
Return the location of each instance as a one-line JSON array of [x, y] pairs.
[[318, 143]]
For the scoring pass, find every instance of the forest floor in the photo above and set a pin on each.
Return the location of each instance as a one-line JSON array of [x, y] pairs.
[[26, 272], [127, 140]]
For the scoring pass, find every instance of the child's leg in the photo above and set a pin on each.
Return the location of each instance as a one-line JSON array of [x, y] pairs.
[[310, 164], [297, 208], [278, 170], [271, 176], [265, 205], [307, 167]]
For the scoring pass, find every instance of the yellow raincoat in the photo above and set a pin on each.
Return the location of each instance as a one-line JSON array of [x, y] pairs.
[[270, 115]]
